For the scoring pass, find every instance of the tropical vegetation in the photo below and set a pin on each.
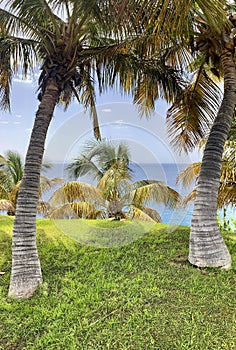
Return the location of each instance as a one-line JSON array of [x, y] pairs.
[[71, 41], [115, 195], [205, 55], [11, 173], [90, 37]]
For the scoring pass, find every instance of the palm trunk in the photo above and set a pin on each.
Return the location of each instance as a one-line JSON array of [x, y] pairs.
[[26, 273], [207, 247]]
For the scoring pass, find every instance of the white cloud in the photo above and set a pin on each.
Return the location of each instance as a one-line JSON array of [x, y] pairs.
[[107, 110]]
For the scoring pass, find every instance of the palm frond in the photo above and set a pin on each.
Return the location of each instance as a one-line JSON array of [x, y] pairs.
[[23, 16], [189, 198], [143, 214], [75, 191], [97, 156], [83, 166], [4, 190], [227, 195], [115, 181], [7, 205], [14, 165], [76, 210], [145, 78], [14, 193], [189, 174], [88, 99], [159, 15], [47, 184], [193, 112], [43, 208], [144, 191]]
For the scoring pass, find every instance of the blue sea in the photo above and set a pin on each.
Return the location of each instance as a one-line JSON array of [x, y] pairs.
[[162, 172]]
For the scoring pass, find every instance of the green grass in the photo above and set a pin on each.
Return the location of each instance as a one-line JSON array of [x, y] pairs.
[[139, 296]]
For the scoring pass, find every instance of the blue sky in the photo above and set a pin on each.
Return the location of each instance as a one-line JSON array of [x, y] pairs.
[[119, 120]]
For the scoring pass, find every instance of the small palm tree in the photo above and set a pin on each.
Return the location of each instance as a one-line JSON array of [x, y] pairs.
[[115, 196], [11, 173]]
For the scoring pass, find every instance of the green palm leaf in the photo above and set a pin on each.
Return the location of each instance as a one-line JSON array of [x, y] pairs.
[[115, 181]]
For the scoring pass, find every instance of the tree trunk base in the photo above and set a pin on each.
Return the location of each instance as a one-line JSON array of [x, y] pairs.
[[24, 289], [223, 264], [209, 250]]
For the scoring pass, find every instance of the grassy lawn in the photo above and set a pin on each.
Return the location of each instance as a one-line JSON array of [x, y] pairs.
[[117, 293]]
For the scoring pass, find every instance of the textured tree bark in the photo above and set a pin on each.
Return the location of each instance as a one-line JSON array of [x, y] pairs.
[[207, 247], [26, 273]]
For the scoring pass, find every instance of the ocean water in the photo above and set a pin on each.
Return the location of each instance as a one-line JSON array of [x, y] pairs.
[[162, 172]]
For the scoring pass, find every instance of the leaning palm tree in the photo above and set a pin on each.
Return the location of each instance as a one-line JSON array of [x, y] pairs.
[[72, 41], [208, 52], [115, 195], [216, 49]]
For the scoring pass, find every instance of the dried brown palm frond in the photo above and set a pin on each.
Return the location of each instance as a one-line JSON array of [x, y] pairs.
[[76, 210], [75, 191], [7, 205], [189, 198], [143, 214], [144, 191], [47, 184], [189, 175], [43, 208], [227, 195]]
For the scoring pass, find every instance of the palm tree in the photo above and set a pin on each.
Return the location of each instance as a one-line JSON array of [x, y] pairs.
[[109, 164], [207, 247], [11, 173], [73, 41], [202, 47]]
